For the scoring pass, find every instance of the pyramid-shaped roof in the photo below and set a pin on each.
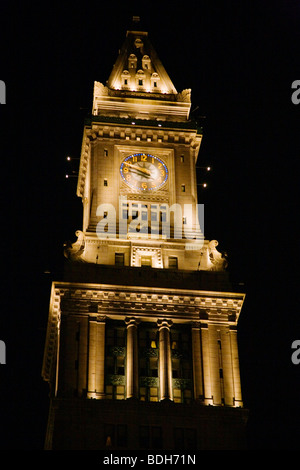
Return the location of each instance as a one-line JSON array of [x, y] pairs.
[[138, 67], [139, 80]]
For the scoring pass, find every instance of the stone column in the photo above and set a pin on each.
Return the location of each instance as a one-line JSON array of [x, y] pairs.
[[197, 362], [235, 368], [132, 386], [165, 361], [208, 399], [96, 358]]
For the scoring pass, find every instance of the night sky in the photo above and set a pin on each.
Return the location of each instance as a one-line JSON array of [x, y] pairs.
[[240, 60]]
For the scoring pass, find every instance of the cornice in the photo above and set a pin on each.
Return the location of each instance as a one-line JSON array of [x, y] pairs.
[[180, 302]]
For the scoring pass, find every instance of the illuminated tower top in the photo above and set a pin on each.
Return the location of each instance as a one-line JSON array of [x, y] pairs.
[[137, 174], [139, 86]]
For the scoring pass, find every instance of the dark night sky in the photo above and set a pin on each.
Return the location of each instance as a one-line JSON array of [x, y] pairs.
[[239, 59]]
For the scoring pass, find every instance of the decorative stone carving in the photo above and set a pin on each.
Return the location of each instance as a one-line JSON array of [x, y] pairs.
[[73, 251], [149, 381], [182, 384], [185, 95], [211, 259], [114, 379], [117, 351], [100, 89]]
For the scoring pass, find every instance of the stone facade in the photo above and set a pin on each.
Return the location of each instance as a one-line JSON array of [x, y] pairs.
[[141, 349]]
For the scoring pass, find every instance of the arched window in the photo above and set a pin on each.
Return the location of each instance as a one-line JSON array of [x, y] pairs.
[[140, 78], [155, 81], [125, 78], [138, 43], [132, 61], [146, 62]]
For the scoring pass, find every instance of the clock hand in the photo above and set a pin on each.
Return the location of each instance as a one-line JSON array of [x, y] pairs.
[[141, 170]]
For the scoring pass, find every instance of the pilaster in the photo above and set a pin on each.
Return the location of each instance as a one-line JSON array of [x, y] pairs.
[[197, 361], [165, 361], [96, 358], [132, 388]]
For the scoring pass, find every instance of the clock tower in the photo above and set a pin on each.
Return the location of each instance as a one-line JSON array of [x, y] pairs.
[[141, 348]]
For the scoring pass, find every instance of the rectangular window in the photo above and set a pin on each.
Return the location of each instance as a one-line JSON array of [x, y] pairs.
[[185, 438], [153, 365], [115, 337], [140, 82], [122, 435], [109, 392], [105, 182], [120, 391], [120, 369], [173, 262], [143, 367], [119, 259], [182, 158], [153, 393], [150, 437], [180, 340], [186, 370], [177, 395], [115, 392], [146, 261], [115, 436], [109, 435], [143, 393], [110, 365], [105, 152], [120, 337], [183, 188], [187, 396], [156, 436], [163, 213], [144, 437], [134, 211]]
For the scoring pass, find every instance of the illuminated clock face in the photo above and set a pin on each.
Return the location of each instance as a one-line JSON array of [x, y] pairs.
[[144, 172]]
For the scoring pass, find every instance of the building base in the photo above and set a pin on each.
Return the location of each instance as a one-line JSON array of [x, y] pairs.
[[90, 424]]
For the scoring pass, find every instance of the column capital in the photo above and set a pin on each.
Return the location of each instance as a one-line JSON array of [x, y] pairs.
[[164, 323], [101, 318], [97, 318], [131, 321]]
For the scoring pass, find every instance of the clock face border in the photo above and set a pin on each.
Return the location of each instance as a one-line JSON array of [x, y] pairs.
[[155, 160]]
